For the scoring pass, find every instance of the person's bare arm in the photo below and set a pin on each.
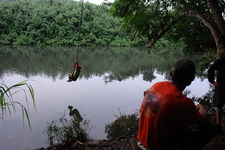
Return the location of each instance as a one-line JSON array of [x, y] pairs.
[[215, 83], [202, 110]]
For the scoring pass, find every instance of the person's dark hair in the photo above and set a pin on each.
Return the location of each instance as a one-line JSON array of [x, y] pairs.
[[183, 71], [221, 54]]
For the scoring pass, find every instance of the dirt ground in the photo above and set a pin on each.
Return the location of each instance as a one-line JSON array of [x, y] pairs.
[[124, 143], [218, 142]]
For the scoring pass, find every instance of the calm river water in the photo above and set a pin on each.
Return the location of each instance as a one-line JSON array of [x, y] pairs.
[[111, 82]]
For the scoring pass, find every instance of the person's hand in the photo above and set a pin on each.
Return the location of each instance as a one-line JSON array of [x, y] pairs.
[[200, 107], [202, 110], [69, 75], [145, 92], [216, 84]]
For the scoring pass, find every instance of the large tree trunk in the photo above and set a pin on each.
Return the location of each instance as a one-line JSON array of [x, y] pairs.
[[216, 25], [217, 14], [220, 23], [221, 45], [213, 27]]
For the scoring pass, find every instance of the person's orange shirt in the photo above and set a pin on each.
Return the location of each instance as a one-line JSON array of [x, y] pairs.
[[163, 112]]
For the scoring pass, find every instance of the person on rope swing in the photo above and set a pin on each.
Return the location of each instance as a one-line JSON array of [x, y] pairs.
[[76, 72]]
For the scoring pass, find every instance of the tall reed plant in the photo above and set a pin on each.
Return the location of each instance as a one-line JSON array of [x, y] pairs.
[[7, 96]]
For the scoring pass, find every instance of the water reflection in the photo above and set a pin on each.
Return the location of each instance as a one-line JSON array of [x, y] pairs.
[[118, 63], [124, 125], [111, 78]]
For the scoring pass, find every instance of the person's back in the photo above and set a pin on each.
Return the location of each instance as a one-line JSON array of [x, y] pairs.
[[165, 112]]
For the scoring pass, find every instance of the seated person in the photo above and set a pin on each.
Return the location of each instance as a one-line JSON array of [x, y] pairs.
[[168, 119]]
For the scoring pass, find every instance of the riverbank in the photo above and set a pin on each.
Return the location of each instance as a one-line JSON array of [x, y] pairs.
[[125, 143]]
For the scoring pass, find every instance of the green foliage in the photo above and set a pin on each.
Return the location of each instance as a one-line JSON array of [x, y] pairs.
[[174, 20], [195, 35], [206, 59], [7, 101], [56, 22], [207, 100], [124, 125], [64, 130]]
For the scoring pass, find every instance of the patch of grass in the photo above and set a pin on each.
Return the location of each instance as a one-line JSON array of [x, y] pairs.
[[64, 130]]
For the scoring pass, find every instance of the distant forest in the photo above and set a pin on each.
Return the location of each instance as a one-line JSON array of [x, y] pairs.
[[57, 22]]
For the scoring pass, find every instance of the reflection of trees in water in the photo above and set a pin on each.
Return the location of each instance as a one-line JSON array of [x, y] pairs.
[[124, 125], [148, 74], [207, 100], [110, 77], [112, 63]]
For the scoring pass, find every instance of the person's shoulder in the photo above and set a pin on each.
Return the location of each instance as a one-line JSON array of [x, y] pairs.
[[219, 62], [222, 59], [162, 83]]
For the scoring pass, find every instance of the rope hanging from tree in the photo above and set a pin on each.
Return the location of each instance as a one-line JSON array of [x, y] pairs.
[[76, 68], [81, 20]]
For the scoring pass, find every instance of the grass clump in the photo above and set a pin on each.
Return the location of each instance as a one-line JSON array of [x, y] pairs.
[[70, 130], [8, 102]]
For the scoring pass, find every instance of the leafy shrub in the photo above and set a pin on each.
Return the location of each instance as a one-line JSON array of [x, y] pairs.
[[64, 130], [124, 125]]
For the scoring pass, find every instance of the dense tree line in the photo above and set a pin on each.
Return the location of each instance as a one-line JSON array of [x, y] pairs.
[[55, 22]]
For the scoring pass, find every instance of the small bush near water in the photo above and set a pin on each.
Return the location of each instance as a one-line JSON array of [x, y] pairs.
[[64, 130]]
